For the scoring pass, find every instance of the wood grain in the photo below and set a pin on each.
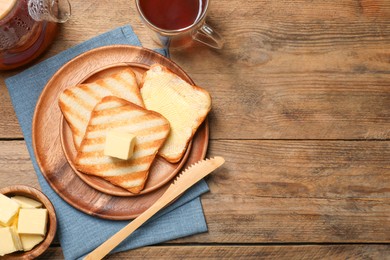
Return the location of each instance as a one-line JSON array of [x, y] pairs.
[[297, 169], [302, 220], [356, 251], [320, 67], [301, 109], [361, 169], [9, 126], [291, 191], [15, 164], [260, 252], [290, 73]]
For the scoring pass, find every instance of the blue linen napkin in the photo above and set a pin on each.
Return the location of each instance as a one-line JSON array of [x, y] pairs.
[[80, 233]]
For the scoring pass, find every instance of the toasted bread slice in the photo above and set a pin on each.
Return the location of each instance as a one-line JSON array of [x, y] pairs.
[[112, 113], [184, 105], [77, 103]]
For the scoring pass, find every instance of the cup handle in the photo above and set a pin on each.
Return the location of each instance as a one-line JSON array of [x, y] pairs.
[[208, 36]]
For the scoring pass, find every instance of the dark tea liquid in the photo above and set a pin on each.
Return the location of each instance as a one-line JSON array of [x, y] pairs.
[[22, 39], [172, 14]]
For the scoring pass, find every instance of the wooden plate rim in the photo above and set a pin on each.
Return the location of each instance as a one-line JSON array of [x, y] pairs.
[[201, 153]]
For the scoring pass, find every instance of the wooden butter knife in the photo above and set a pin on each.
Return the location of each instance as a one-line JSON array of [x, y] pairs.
[[183, 182]]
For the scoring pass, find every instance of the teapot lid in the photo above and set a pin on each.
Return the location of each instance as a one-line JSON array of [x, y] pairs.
[[5, 7]]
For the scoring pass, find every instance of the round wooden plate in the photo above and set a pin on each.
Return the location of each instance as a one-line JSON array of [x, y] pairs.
[[161, 170], [49, 128]]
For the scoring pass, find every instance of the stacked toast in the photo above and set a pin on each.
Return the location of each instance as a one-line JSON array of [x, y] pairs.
[[162, 111]]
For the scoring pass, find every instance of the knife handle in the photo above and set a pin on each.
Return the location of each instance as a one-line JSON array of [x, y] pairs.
[[183, 181]]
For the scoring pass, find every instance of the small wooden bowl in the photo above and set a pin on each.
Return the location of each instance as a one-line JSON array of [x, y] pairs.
[[35, 194]]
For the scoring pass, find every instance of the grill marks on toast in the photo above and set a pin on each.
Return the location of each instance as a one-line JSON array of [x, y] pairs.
[[112, 113], [92, 109], [77, 103]]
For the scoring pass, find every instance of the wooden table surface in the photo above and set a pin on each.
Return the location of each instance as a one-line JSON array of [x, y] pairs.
[[301, 113]]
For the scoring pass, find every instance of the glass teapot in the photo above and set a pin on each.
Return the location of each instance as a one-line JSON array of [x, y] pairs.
[[27, 28]]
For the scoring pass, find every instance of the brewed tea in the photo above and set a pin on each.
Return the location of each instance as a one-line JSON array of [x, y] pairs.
[[22, 38], [172, 14]]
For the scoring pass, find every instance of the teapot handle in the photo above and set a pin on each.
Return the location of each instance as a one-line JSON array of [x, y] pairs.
[[58, 11]]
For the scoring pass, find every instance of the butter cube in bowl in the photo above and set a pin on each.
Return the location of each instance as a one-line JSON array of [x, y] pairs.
[[28, 222]]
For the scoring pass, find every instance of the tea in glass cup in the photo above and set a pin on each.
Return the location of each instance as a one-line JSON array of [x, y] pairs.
[[176, 23]]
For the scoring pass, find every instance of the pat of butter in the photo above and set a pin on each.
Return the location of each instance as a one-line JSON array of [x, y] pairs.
[[9, 241], [26, 203], [8, 210], [16, 237], [29, 241], [32, 221], [119, 145]]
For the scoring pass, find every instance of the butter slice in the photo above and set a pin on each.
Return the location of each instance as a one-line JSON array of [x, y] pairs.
[[29, 241], [8, 210], [16, 238], [8, 244], [119, 144], [26, 203], [32, 221]]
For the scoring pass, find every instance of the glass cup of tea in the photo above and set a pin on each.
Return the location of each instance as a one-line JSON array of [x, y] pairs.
[[176, 23]]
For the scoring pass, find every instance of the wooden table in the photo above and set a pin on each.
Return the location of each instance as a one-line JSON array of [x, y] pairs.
[[301, 113]]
